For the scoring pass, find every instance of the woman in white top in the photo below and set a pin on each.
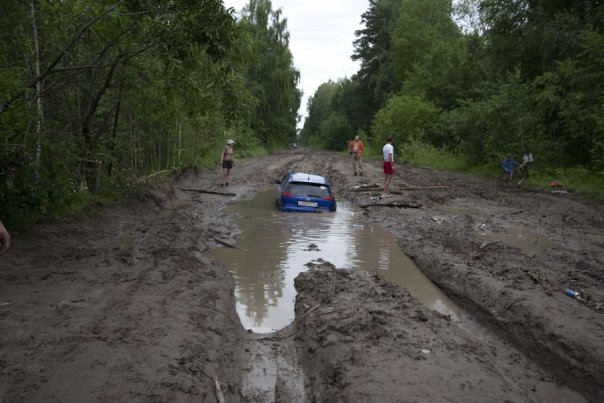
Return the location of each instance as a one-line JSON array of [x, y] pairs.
[[527, 161], [388, 151]]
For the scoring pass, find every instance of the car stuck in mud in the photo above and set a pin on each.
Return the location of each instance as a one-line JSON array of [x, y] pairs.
[[304, 192]]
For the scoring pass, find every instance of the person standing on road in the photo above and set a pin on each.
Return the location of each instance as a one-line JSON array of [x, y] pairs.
[[388, 151], [4, 239], [356, 150], [527, 161], [227, 161], [509, 166]]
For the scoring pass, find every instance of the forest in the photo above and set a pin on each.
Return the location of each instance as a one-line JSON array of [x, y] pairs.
[[97, 95], [474, 79]]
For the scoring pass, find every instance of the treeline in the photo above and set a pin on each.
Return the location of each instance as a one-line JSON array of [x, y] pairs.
[[479, 78], [95, 94]]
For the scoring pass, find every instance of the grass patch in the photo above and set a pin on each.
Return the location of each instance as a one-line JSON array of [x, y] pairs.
[[578, 180], [431, 157]]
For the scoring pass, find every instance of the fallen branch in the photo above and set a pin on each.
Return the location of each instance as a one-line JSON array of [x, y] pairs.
[[314, 308], [219, 395], [145, 178], [397, 191], [212, 192], [392, 204], [230, 245], [426, 188]]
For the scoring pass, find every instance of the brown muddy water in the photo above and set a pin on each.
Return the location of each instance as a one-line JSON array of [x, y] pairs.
[[274, 248]]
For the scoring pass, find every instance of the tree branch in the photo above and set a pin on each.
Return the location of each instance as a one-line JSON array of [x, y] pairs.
[[51, 66]]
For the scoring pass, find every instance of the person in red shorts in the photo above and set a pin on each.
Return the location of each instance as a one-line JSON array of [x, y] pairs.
[[388, 151]]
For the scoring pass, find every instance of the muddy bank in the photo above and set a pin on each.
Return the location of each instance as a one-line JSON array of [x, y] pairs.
[[508, 254], [364, 339], [123, 305]]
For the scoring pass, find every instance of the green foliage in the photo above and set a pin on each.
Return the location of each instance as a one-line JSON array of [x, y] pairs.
[[128, 89], [274, 78], [422, 154], [407, 118], [513, 74]]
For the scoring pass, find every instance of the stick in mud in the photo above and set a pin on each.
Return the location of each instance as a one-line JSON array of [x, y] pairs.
[[146, 178], [212, 192], [219, 395], [398, 191], [391, 204], [314, 308], [225, 243]]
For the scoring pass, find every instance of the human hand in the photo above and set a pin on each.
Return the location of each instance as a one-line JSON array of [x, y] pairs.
[[4, 239]]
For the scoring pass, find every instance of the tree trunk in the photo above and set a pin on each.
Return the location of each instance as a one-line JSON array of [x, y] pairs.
[[38, 96]]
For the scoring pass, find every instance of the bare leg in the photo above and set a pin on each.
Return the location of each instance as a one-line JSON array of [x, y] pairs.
[[226, 176], [387, 181]]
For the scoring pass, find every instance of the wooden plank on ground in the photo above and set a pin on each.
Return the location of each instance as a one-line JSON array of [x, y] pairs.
[[212, 192], [398, 204]]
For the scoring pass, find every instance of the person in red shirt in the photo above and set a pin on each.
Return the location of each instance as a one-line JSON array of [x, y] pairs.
[[355, 148]]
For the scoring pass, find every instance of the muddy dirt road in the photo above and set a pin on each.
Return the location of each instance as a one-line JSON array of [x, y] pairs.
[[124, 306]]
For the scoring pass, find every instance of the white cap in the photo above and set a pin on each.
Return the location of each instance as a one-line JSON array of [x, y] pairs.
[[229, 141]]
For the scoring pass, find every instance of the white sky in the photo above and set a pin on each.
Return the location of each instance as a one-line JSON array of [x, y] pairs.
[[321, 36]]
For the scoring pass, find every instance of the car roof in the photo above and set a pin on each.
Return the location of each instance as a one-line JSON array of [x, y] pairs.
[[307, 178]]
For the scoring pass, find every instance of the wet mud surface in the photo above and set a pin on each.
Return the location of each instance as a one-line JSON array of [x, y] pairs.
[[123, 305]]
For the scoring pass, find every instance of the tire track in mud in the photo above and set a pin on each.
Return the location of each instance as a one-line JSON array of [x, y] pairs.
[[521, 295]]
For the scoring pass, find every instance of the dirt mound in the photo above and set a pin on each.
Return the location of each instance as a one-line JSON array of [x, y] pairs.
[[364, 339]]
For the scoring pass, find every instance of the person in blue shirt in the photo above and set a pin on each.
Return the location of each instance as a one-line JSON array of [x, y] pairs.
[[509, 166]]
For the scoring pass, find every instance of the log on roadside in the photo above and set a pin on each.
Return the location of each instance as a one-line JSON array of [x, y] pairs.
[[426, 188], [212, 192], [398, 191], [392, 204]]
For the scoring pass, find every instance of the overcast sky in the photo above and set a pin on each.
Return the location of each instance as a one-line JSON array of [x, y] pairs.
[[321, 36]]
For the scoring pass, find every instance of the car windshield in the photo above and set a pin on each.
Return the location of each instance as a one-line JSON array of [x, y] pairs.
[[307, 189]]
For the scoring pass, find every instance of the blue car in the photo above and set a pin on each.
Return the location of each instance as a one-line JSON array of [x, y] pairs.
[[304, 192]]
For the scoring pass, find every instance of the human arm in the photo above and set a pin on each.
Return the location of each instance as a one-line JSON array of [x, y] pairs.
[[4, 239]]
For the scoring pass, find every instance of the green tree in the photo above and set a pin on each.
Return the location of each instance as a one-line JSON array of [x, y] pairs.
[[373, 48], [407, 118], [272, 74]]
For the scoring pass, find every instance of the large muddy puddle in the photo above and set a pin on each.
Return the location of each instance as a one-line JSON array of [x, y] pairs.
[[274, 248]]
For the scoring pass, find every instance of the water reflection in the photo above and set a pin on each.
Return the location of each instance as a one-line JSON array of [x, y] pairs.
[[275, 246]]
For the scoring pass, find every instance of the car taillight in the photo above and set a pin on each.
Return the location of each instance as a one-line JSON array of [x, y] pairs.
[[329, 198], [287, 194]]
